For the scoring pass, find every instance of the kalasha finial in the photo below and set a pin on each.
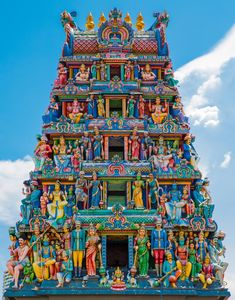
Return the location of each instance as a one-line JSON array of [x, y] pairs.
[[102, 19], [127, 19], [90, 25], [139, 22]]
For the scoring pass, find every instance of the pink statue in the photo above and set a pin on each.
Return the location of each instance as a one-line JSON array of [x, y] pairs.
[[75, 111], [62, 76], [128, 70], [141, 108], [44, 200], [15, 266], [76, 157], [92, 245], [83, 74], [66, 238], [42, 153], [134, 145]]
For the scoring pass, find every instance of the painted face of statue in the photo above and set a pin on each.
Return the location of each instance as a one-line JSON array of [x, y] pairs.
[[57, 187], [142, 232], [21, 242]]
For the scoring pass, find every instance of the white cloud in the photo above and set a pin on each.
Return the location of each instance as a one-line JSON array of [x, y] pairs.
[[202, 78], [12, 175], [227, 159]]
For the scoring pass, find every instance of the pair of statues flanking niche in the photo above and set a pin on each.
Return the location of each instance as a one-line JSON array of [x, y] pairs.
[[98, 70]]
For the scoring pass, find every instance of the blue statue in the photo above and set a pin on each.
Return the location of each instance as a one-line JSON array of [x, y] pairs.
[[96, 191], [52, 113]]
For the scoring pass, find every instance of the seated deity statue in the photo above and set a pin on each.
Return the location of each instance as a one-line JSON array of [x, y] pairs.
[[147, 73], [160, 157], [56, 207], [75, 111], [83, 73], [61, 158], [158, 111]]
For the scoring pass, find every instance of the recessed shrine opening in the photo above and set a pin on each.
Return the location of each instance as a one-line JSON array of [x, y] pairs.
[[115, 70], [116, 193], [117, 251], [115, 105], [116, 147]]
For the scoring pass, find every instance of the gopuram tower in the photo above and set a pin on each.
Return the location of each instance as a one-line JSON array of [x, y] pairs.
[[116, 205]]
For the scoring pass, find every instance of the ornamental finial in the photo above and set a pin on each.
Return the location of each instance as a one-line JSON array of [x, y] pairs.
[[90, 25], [139, 22], [127, 19], [102, 19]]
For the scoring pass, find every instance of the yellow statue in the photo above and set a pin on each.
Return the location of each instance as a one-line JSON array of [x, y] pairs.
[[127, 19], [102, 19], [137, 192], [139, 22], [90, 25], [56, 207]]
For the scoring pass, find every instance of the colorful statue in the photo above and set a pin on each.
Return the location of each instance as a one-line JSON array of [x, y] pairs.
[[142, 246], [62, 76], [201, 247], [90, 25], [45, 267], [21, 259], [189, 152], [103, 70], [118, 280], [159, 111], [42, 153], [177, 111], [66, 238], [192, 258], [100, 107], [61, 158], [68, 209], [52, 113], [161, 159], [136, 68], [83, 73], [96, 191], [146, 146], [138, 192], [158, 246], [147, 74], [81, 190], [76, 156], [170, 271], [28, 274], [59, 256], [93, 245], [90, 106], [207, 274], [131, 107], [98, 151], [182, 263], [141, 107], [161, 208], [169, 76], [85, 146], [78, 238], [75, 111], [128, 70], [153, 186], [35, 243], [134, 146], [44, 200], [26, 207], [66, 269], [171, 243], [56, 207], [189, 207], [94, 70]]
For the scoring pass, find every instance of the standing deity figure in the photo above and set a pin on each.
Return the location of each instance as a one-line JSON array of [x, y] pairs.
[[158, 111], [81, 190], [100, 107], [192, 258], [68, 209], [170, 271], [136, 68], [131, 107], [76, 156], [35, 194], [146, 146], [61, 157], [66, 270], [153, 187], [66, 237], [62, 76], [128, 70], [42, 153], [189, 207], [98, 151], [201, 247], [171, 243], [90, 106], [21, 259], [142, 246], [45, 267], [96, 191], [44, 200], [207, 274], [147, 74], [83, 73], [181, 254], [93, 245], [219, 266], [26, 207], [85, 146], [158, 246], [177, 111], [103, 70], [137, 187], [36, 243], [56, 207], [75, 111], [141, 107], [188, 151], [161, 209], [94, 70], [169, 75], [78, 239], [134, 145], [59, 258], [52, 113], [161, 158], [14, 242]]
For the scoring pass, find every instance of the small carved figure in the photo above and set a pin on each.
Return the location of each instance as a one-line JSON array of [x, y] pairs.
[[159, 111], [207, 274], [83, 73], [138, 192], [178, 111], [134, 145], [81, 190], [90, 106], [62, 76], [100, 107], [56, 207], [182, 263], [141, 107], [128, 70], [147, 73], [94, 70], [169, 75], [52, 112], [66, 269], [136, 70], [75, 111], [98, 151], [44, 200], [103, 70], [96, 191], [153, 186]]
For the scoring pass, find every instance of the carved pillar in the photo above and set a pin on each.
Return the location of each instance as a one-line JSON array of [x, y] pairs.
[[105, 194], [106, 147], [122, 72], [70, 73], [130, 251], [128, 194], [124, 107], [107, 107], [104, 250], [125, 147], [108, 72]]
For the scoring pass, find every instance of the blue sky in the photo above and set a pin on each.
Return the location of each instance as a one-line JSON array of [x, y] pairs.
[[201, 37]]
